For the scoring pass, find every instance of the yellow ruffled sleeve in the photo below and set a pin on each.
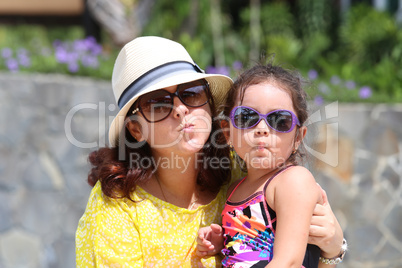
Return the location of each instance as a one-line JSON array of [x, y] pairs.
[[107, 234]]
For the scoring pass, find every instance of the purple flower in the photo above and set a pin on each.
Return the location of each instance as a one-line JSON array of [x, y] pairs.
[[335, 80], [23, 58], [57, 43], [61, 54], [210, 70], [6, 53], [90, 41], [12, 65], [22, 51], [89, 61], [237, 65], [218, 70], [223, 70], [81, 50], [350, 84], [96, 49], [365, 92], [319, 100], [80, 45], [73, 56], [73, 67], [312, 74], [323, 88]]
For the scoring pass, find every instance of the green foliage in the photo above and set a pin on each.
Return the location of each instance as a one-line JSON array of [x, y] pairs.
[[349, 57], [368, 35], [314, 16], [286, 49], [276, 19]]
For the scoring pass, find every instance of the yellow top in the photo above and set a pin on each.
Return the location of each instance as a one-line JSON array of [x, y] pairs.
[[149, 233]]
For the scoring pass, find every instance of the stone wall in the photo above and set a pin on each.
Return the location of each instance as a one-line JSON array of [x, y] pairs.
[[49, 124]]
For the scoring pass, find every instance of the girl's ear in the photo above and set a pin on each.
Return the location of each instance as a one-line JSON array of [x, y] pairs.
[[300, 136], [225, 126], [135, 130]]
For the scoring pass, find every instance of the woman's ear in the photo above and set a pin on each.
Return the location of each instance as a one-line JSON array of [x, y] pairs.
[[135, 130], [225, 126]]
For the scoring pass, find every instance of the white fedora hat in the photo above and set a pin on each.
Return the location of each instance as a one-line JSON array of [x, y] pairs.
[[150, 63]]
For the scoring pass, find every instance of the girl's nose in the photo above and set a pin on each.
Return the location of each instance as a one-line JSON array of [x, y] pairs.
[[262, 128]]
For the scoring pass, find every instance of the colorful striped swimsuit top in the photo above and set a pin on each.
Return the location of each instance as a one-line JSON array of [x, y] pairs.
[[249, 231]]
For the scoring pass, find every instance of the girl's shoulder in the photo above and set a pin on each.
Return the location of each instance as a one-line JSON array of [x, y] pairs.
[[295, 173], [298, 171], [294, 180], [291, 175], [233, 186]]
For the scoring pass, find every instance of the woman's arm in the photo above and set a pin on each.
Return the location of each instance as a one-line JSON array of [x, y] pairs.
[[293, 196]]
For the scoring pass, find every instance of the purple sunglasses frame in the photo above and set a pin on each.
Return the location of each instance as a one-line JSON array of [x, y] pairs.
[[295, 120]]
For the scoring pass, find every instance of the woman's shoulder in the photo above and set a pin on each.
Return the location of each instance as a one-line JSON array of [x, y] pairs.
[[99, 203]]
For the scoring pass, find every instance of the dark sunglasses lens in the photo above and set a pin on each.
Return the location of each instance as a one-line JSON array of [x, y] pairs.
[[245, 117], [193, 94], [280, 121], [156, 106]]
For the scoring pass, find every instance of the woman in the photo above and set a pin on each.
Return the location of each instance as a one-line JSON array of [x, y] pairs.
[[167, 171]]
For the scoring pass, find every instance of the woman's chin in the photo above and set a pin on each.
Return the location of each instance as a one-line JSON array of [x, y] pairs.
[[195, 145]]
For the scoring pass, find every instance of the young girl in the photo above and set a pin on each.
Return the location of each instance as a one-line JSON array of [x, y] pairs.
[[267, 214]]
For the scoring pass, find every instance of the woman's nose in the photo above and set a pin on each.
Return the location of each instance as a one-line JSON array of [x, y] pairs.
[[179, 108], [261, 128]]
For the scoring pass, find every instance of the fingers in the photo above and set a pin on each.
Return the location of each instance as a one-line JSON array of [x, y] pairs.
[[203, 247], [319, 210], [202, 242], [216, 228], [203, 232], [200, 253], [316, 231], [209, 240], [323, 195]]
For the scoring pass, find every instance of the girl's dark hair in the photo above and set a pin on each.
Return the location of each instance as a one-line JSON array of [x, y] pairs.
[[119, 176], [291, 81]]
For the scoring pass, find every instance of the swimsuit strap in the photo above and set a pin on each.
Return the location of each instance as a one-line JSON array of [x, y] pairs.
[[276, 174], [236, 188], [266, 184]]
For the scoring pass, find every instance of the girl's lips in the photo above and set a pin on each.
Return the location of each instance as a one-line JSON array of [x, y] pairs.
[[261, 146]]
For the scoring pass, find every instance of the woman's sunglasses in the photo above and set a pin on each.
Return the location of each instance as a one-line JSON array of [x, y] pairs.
[[157, 105], [244, 117]]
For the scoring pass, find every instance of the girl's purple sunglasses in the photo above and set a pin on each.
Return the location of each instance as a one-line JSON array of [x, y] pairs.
[[244, 117]]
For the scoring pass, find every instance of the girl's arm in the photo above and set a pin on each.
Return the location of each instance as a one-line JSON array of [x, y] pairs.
[[293, 195], [210, 239], [325, 231]]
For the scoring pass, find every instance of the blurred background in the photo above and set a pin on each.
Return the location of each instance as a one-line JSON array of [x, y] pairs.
[[56, 105]]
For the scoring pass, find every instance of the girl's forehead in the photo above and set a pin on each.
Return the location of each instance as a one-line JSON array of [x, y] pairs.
[[264, 92]]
